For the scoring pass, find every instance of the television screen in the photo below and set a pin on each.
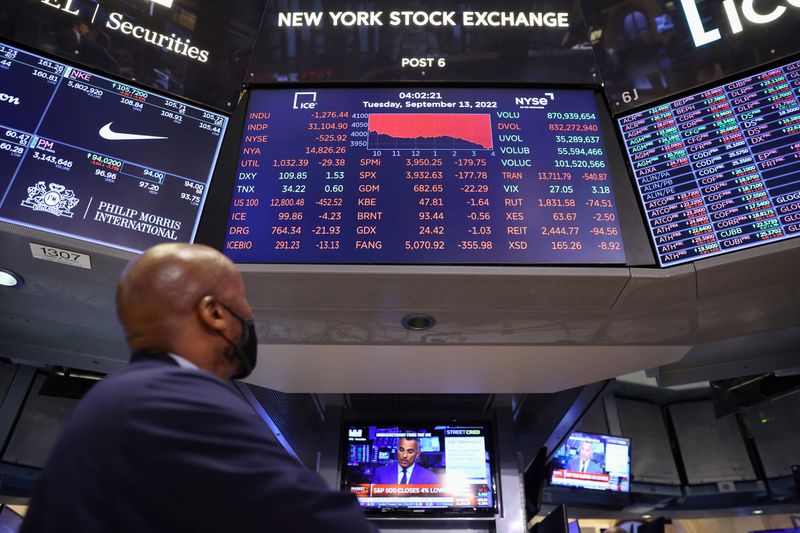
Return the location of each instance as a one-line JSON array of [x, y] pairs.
[[719, 170], [420, 468], [574, 527], [456, 175], [598, 462], [86, 156]]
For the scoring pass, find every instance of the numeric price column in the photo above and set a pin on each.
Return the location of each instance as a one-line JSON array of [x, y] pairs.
[[579, 184], [773, 133], [329, 177]]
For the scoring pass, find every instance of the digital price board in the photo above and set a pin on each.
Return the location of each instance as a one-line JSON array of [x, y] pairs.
[[85, 156], [419, 176], [719, 170]]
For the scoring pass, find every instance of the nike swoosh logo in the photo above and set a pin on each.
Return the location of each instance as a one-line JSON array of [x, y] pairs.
[[107, 133]]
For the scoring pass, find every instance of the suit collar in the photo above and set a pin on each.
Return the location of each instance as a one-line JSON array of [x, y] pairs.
[[140, 356]]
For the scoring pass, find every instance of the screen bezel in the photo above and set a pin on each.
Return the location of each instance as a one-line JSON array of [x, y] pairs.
[[434, 512], [198, 220], [589, 489], [669, 99], [638, 252]]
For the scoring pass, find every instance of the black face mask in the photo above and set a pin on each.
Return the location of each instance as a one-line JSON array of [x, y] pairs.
[[247, 347]]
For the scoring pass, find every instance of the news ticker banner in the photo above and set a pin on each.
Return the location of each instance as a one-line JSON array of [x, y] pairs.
[[584, 480], [521, 41], [198, 50], [449, 175], [649, 51], [89, 157], [719, 170], [416, 496]]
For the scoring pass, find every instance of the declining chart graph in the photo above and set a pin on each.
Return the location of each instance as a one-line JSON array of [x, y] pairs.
[[430, 131]]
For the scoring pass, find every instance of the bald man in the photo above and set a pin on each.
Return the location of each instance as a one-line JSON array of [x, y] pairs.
[[167, 443]]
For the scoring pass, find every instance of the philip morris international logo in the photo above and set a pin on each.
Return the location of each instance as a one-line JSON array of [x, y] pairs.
[[54, 199]]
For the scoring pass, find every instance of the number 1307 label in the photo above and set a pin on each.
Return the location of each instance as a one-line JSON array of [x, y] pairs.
[[57, 255]]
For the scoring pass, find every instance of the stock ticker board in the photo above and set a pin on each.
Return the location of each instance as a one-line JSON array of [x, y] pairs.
[[410, 176], [85, 156], [719, 170]]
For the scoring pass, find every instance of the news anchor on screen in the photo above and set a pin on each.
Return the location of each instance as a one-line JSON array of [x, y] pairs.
[[405, 470], [584, 462]]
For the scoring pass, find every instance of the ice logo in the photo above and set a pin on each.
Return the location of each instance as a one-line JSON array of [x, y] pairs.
[[9, 98], [305, 100], [58, 200]]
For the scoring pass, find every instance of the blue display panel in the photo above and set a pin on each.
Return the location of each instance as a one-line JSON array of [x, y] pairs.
[[719, 170], [420, 467], [410, 176], [597, 462], [85, 156]]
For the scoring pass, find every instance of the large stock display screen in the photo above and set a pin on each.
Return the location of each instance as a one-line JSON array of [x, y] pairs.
[[719, 170], [415, 176], [85, 156]]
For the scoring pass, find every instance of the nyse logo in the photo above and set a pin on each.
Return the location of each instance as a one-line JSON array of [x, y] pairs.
[[524, 102], [307, 100], [703, 36], [355, 433]]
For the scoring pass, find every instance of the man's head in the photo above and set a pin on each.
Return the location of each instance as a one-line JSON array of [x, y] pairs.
[[82, 27], [189, 300], [407, 451], [586, 450]]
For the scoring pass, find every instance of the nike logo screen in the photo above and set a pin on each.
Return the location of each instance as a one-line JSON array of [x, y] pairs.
[[107, 133]]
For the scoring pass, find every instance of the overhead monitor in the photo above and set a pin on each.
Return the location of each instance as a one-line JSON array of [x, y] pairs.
[[719, 170], [427, 468], [440, 175], [86, 156], [596, 462]]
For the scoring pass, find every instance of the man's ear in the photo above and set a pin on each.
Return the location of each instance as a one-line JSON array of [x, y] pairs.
[[210, 313]]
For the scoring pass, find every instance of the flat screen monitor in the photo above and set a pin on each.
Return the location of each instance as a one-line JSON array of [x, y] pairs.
[[555, 522], [420, 468], [574, 527], [445, 175], [597, 462], [719, 170], [86, 156], [10, 520]]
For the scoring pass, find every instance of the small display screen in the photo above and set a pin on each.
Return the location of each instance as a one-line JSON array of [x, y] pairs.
[[428, 468], [410, 176], [719, 170], [85, 156], [597, 462]]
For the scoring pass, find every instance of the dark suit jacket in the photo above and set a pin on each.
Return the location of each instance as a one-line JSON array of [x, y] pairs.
[[387, 475], [155, 447], [591, 468]]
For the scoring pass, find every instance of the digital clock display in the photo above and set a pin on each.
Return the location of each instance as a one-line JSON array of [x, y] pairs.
[[719, 170], [85, 156], [411, 176]]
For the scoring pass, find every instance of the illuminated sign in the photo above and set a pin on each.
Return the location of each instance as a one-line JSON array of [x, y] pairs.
[[702, 36], [116, 22]]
